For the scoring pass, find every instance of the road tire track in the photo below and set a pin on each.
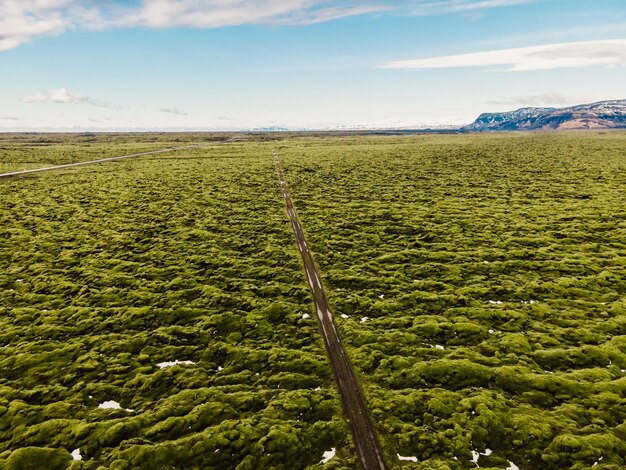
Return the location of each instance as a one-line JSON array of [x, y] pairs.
[[102, 160], [367, 446]]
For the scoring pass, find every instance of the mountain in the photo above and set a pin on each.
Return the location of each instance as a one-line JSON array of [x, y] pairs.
[[271, 129], [600, 115]]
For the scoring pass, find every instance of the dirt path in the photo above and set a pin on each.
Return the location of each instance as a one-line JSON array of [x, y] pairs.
[[110, 159], [367, 447]]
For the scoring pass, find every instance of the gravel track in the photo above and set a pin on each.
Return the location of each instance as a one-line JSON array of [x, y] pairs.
[[368, 448]]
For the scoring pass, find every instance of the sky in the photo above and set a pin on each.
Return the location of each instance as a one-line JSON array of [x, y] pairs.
[[241, 64]]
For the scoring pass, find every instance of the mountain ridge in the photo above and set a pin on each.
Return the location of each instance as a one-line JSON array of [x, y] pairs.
[[599, 115]]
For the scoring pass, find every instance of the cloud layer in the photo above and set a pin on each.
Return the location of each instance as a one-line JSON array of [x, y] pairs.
[[62, 96], [550, 56], [24, 20], [430, 7]]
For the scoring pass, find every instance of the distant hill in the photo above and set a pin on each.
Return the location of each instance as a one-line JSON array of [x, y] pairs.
[[600, 115]]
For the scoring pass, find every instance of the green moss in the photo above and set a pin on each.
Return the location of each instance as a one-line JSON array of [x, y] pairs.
[[32, 458]]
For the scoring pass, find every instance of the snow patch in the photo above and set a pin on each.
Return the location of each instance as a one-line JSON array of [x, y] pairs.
[[381, 296], [220, 368], [329, 454], [343, 315], [305, 315], [112, 405], [439, 346], [495, 302], [476, 455], [163, 365], [512, 466], [364, 319], [76, 455], [491, 331], [407, 459]]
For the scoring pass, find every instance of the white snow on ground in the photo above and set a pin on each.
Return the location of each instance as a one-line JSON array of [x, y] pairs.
[[439, 346], [491, 332], [110, 405], [343, 315], [364, 319], [329, 454], [530, 302], [220, 368], [76, 455], [305, 315], [495, 302], [512, 466], [162, 365], [407, 459], [381, 296], [476, 455], [597, 462]]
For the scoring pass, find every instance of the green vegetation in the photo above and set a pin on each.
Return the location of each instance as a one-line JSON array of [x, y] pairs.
[[492, 271], [28, 151], [482, 278], [108, 270]]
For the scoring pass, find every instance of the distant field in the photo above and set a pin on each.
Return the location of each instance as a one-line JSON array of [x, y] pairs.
[[478, 281], [28, 151]]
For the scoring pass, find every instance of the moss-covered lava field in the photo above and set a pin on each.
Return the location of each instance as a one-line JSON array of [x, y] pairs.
[[154, 312]]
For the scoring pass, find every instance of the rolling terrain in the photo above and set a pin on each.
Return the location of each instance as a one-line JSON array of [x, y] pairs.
[[155, 311]]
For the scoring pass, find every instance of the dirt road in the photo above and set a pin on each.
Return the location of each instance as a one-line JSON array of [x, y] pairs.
[[102, 160], [367, 447]]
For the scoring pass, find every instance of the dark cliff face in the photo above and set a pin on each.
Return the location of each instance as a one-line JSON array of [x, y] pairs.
[[601, 115]]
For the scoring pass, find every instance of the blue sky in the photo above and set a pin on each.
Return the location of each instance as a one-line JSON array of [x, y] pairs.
[[232, 64]]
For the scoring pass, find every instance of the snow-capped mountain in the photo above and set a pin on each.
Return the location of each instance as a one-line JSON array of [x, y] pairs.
[[600, 115]]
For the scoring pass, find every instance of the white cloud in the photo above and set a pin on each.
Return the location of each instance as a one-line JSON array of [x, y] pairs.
[[550, 56], [24, 20], [62, 96], [430, 7], [21, 20], [177, 111]]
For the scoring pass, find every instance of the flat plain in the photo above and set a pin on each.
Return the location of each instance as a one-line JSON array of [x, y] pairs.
[[478, 282]]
